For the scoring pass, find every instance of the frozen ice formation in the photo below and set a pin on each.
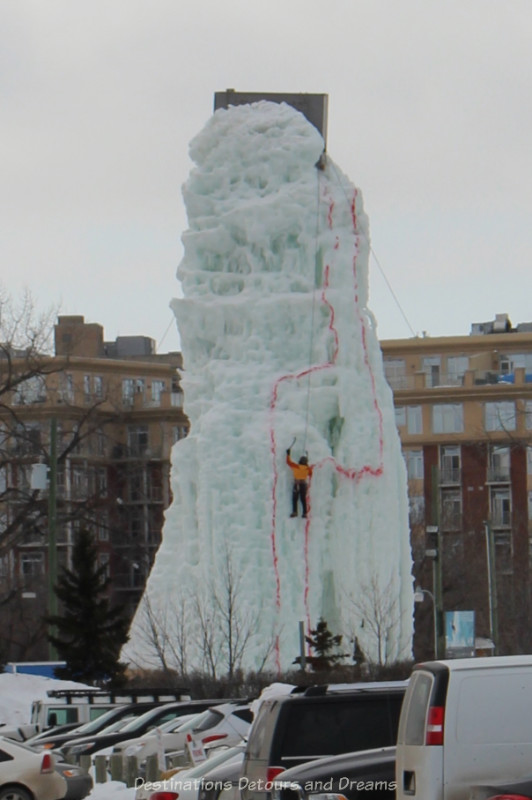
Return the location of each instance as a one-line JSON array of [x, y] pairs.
[[278, 343]]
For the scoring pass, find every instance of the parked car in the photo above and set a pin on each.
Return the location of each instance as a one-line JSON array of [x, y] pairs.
[[321, 721], [223, 782], [366, 774], [28, 775], [464, 721], [88, 745], [185, 783], [79, 782], [504, 790], [120, 714], [23, 733], [227, 723]]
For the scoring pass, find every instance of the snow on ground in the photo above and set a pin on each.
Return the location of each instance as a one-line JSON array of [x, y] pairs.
[[113, 789]]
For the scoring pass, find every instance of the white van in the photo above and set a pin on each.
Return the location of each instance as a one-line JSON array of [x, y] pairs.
[[464, 722]]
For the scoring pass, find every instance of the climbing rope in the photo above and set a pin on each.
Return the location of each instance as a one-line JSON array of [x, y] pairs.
[[313, 315]]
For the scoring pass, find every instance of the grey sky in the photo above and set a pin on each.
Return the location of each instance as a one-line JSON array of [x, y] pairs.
[[429, 114]]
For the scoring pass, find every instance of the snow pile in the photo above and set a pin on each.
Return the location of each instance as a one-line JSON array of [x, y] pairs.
[[18, 691], [278, 342]]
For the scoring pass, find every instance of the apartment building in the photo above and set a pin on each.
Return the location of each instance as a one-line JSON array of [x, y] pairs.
[[93, 425], [464, 413]]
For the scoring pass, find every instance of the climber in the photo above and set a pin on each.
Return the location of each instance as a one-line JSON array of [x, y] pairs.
[[301, 473]]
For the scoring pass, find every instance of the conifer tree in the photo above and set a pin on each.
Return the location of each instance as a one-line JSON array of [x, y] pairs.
[[88, 633], [323, 643]]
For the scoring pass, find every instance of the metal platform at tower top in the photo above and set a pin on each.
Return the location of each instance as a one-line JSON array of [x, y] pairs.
[[313, 106]]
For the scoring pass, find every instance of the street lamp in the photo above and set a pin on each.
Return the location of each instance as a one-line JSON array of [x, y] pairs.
[[419, 596]]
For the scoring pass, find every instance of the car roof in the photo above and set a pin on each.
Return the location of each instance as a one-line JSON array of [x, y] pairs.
[[323, 766], [488, 662]]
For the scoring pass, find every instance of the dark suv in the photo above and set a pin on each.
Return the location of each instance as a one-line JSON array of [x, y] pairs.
[[321, 721]]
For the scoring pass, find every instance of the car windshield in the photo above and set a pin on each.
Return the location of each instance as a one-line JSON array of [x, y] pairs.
[[156, 714], [100, 722], [192, 724], [174, 725], [120, 724], [210, 719]]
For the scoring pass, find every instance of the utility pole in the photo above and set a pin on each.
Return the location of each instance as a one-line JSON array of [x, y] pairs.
[[492, 586], [437, 566], [52, 534]]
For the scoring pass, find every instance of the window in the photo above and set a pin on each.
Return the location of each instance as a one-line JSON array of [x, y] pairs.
[[501, 513], [414, 464], [528, 415], [67, 388], [448, 418], [499, 464], [131, 387], [32, 390], [79, 483], [179, 432], [32, 564], [157, 388], [100, 481], [500, 416], [100, 442], [97, 383], [137, 439], [450, 464], [87, 387], [128, 390], [431, 368], [457, 366], [395, 373], [102, 528], [510, 362], [451, 510], [414, 419], [176, 399], [400, 416], [135, 486]]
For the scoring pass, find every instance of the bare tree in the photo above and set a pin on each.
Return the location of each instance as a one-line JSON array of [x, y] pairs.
[[237, 621], [222, 631], [376, 609]]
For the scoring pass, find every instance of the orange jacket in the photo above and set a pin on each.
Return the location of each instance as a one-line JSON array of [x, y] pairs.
[[300, 471]]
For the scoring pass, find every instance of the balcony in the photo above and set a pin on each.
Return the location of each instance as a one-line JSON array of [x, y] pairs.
[[498, 475], [482, 377], [450, 476]]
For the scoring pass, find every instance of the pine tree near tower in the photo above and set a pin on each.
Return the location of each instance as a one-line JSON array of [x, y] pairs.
[[323, 643], [89, 634]]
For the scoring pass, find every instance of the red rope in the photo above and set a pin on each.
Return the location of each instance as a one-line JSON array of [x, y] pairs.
[[349, 473]]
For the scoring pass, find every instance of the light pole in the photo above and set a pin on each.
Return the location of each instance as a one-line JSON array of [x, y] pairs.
[[419, 596], [52, 534]]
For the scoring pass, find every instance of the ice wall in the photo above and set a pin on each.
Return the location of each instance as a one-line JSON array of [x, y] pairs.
[[278, 343]]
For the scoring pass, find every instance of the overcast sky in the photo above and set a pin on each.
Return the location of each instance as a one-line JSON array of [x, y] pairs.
[[430, 114]]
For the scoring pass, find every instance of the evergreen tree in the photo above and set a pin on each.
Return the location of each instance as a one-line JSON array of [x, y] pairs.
[[88, 633], [323, 643]]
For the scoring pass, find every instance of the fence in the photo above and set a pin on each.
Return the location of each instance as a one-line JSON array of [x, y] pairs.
[[115, 768]]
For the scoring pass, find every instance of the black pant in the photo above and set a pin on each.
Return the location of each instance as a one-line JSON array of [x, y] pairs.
[[299, 492]]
